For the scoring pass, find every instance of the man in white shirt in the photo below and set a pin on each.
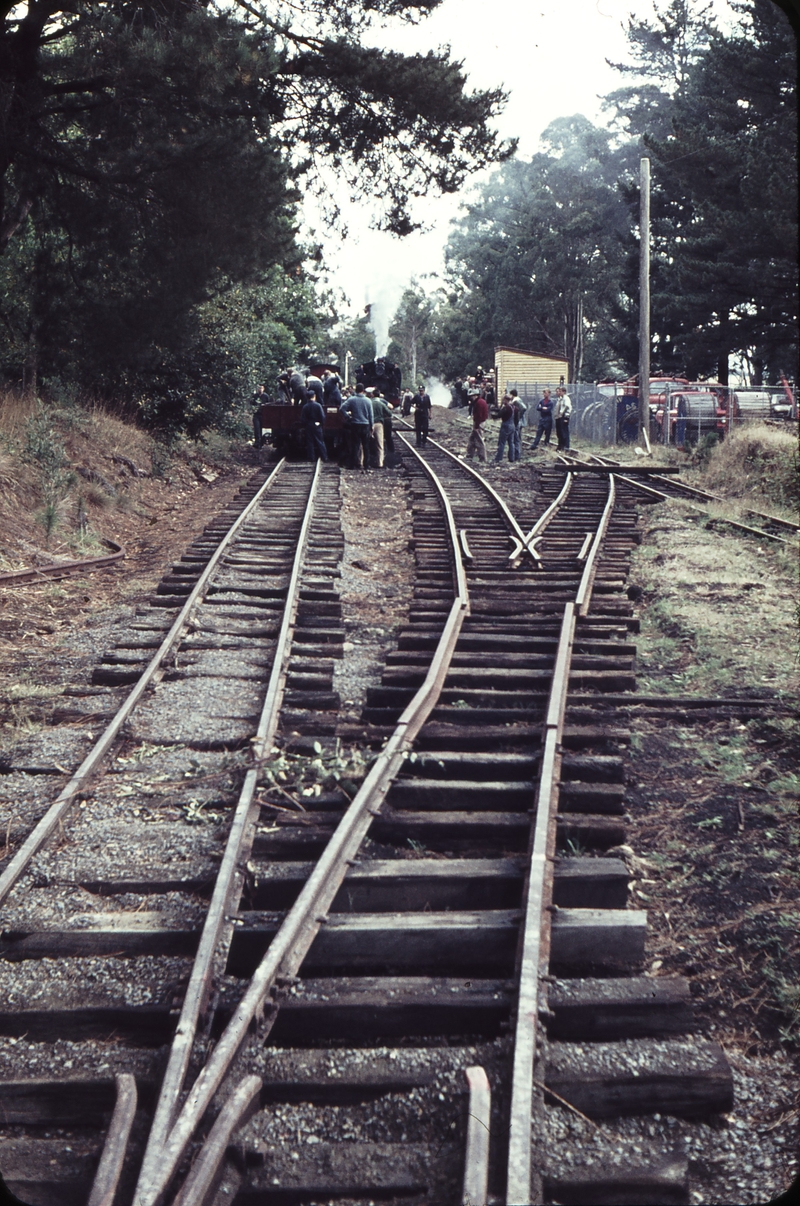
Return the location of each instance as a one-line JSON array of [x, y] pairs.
[[563, 412]]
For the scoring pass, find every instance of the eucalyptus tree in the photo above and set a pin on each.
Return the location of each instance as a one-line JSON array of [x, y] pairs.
[[535, 260]]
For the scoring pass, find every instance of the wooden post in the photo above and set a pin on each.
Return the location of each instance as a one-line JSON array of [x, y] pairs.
[[644, 296]]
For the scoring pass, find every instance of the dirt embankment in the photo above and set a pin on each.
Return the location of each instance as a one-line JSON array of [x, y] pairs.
[[68, 478]]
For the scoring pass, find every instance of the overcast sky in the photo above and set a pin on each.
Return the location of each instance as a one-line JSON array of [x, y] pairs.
[[550, 55]]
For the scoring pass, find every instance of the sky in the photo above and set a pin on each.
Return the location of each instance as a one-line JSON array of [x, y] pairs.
[[549, 55]]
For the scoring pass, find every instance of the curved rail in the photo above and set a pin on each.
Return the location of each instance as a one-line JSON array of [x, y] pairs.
[[524, 543], [299, 928], [82, 565], [535, 945], [675, 484], [537, 531], [55, 813]]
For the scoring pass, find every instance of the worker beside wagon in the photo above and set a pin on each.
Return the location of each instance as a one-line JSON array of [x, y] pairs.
[[359, 421], [312, 419], [381, 414], [260, 398]]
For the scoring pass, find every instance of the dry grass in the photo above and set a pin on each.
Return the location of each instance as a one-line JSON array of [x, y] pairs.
[[756, 459], [16, 409]]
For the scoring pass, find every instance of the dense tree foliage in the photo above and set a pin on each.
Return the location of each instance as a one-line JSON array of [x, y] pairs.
[[546, 257], [535, 261], [355, 339], [726, 224], [150, 156]]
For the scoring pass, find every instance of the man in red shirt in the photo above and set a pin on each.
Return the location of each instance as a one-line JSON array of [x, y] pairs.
[[480, 413]]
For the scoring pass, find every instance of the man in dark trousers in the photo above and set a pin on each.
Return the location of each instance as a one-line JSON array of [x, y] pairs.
[[545, 409], [312, 417], [563, 410], [260, 398], [506, 433], [422, 415], [475, 443], [359, 421]]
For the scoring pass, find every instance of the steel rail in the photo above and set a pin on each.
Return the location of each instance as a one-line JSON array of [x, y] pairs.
[[714, 519], [537, 531], [523, 1184], [705, 494], [109, 1169], [199, 985], [696, 492], [584, 595], [524, 540], [77, 782], [301, 924], [201, 1182], [59, 569], [476, 1161]]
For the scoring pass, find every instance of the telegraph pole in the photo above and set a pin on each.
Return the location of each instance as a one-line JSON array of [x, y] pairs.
[[644, 301]]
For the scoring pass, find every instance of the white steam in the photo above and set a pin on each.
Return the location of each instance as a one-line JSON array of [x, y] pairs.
[[440, 394], [382, 305]]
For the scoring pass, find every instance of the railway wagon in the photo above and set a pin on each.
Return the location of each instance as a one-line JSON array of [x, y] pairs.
[[284, 431]]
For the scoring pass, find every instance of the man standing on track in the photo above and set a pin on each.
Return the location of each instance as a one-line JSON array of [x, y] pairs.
[[359, 421], [312, 417], [480, 413], [381, 414], [506, 433], [563, 412], [519, 408], [545, 428], [422, 415]]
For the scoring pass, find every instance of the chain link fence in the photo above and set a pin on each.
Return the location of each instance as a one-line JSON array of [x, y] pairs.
[[609, 413]]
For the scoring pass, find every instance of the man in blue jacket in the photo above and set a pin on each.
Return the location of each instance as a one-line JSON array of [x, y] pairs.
[[545, 428], [359, 419]]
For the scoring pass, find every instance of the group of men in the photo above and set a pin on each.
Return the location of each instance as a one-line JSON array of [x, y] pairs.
[[366, 415], [513, 418], [368, 427], [466, 392]]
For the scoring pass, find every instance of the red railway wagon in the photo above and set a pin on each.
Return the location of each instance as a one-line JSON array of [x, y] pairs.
[[282, 428]]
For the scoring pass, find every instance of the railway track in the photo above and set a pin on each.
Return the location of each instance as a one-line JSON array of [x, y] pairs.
[[378, 958], [772, 527]]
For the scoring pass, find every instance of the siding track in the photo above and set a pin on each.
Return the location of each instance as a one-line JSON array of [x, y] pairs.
[[468, 912]]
